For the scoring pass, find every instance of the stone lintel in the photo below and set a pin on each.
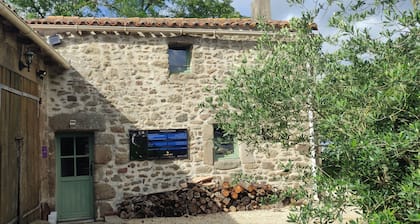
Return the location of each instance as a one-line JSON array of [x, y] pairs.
[[83, 122]]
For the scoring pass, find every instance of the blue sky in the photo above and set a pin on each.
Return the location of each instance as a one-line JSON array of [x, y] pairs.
[[243, 6], [281, 10]]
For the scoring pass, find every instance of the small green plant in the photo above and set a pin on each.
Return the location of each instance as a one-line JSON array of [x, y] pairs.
[[286, 167], [385, 217], [241, 177], [334, 199], [408, 197], [270, 199], [295, 193]]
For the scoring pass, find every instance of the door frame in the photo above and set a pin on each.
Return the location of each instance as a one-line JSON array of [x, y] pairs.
[[57, 137]]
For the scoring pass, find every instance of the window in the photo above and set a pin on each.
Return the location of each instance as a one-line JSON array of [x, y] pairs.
[[225, 146], [179, 58], [74, 155], [158, 144]]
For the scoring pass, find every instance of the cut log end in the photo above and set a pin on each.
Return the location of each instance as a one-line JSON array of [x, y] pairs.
[[194, 199]]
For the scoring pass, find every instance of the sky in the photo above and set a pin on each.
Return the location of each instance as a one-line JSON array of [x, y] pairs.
[[281, 10]]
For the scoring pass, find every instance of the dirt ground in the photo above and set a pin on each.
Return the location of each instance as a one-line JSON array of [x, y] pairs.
[[268, 216], [241, 217], [263, 216]]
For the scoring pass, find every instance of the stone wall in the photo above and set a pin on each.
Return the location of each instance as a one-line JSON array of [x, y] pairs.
[[122, 82]]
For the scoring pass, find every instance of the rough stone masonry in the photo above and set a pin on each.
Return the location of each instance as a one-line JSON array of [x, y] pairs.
[[122, 82]]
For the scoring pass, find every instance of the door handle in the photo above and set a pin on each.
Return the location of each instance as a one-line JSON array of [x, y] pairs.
[[91, 169]]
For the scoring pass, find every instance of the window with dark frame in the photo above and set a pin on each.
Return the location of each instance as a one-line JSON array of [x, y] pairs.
[[158, 144], [74, 156], [225, 146], [179, 57]]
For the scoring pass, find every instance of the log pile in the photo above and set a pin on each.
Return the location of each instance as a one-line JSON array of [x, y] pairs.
[[195, 198]]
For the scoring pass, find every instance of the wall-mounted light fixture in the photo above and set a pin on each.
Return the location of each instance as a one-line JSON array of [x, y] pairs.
[[41, 74], [28, 60], [54, 40]]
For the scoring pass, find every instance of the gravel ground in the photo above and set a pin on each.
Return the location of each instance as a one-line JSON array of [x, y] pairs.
[[241, 217], [263, 216], [268, 216]]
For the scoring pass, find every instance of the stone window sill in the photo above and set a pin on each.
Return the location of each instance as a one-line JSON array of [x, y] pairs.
[[227, 164]]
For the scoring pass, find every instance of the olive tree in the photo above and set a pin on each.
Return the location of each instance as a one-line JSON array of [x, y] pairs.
[[365, 100]]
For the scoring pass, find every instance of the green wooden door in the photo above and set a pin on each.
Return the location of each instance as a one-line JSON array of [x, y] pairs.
[[74, 177]]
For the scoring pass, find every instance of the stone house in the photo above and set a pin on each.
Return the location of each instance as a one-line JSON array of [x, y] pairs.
[[126, 120], [25, 59], [110, 108]]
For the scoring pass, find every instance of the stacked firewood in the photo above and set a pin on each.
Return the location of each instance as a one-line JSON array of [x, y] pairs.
[[196, 198], [242, 196]]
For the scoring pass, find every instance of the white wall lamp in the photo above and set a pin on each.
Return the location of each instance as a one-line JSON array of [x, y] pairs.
[[28, 60]]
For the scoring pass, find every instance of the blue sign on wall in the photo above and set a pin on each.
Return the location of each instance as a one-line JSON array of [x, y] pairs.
[[158, 144]]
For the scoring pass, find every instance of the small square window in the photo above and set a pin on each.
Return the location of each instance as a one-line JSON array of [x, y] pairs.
[[225, 146], [179, 58]]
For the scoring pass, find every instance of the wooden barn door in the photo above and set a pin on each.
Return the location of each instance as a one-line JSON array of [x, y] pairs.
[[9, 106], [19, 149]]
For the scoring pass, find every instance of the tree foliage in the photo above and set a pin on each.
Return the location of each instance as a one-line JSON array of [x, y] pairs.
[[43, 8], [127, 8], [136, 8], [365, 97], [203, 9], [270, 98]]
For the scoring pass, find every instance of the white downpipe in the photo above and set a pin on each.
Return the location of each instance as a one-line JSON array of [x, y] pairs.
[[312, 149], [312, 140]]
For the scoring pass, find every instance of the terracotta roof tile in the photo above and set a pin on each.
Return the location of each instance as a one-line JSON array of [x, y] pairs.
[[211, 23]]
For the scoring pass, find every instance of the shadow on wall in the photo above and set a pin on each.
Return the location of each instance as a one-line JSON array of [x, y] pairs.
[[76, 106], [121, 83]]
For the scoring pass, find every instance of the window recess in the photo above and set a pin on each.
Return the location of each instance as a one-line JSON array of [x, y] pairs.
[[179, 58], [225, 145]]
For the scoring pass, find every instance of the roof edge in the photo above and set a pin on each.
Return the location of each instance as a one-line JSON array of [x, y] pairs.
[[161, 31], [247, 24]]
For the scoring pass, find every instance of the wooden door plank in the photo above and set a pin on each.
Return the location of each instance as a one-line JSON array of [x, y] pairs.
[[3, 154], [2, 134], [30, 159], [13, 154], [10, 107], [23, 156]]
